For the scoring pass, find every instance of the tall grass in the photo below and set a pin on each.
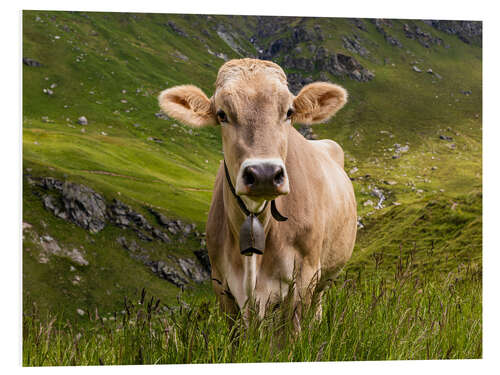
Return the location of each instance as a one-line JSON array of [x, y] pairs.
[[364, 317]]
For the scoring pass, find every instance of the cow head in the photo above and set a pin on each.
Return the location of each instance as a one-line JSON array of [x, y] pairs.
[[255, 110]]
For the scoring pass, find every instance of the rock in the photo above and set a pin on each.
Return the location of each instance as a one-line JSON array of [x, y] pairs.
[[380, 25], [84, 206], [162, 219], [424, 38], [161, 235], [82, 120], [48, 92], [368, 202], [181, 56], [153, 139], [466, 31], [416, 69], [193, 270], [80, 312], [169, 273], [378, 193], [77, 257], [359, 24], [353, 170], [31, 62], [360, 223], [354, 45], [162, 116], [50, 247], [307, 132], [52, 204], [73, 202], [176, 29], [466, 92], [204, 260], [445, 138]]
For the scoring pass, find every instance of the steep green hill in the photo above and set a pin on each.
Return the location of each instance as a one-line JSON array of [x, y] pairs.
[[412, 131]]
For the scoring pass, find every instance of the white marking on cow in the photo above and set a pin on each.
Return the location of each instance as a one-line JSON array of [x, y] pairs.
[[249, 276], [253, 205]]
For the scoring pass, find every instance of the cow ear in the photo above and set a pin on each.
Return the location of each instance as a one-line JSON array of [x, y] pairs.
[[187, 104], [317, 102]]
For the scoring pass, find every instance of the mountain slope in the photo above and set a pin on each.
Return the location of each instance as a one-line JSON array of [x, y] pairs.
[[411, 131]]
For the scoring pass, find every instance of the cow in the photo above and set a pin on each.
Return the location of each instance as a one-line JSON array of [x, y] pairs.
[[258, 250]]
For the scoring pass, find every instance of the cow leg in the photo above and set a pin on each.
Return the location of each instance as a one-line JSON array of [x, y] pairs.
[[306, 295], [225, 298]]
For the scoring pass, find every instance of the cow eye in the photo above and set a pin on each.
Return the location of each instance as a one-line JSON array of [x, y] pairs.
[[289, 114], [221, 115]]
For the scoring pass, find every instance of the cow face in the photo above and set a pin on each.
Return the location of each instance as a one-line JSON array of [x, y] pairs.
[[255, 110]]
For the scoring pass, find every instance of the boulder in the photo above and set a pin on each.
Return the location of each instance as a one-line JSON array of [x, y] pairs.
[[84, 206], [169, 273], [82, 120], [31, 62], [193, 270]]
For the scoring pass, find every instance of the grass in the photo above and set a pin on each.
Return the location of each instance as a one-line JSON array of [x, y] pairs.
[[366, 316]]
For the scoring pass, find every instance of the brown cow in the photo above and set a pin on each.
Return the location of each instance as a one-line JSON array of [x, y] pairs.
[[268, 160]]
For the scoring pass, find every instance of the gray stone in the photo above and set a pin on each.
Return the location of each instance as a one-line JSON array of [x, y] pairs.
[[193, 270], [84, 206], [82, 120], [445, 138], [169, 273], [31, 62]]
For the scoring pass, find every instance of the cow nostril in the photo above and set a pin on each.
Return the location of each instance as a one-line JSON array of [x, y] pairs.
[[279, 177], [248, 177]]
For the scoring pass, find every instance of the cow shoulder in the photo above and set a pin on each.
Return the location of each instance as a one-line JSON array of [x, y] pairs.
[[331, 148]]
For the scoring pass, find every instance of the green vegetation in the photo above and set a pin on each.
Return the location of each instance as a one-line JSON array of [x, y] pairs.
[[364, 318], [412, 289]]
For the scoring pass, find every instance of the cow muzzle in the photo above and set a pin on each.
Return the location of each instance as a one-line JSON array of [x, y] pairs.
[[262, 179]]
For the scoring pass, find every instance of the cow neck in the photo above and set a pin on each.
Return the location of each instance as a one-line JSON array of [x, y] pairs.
[[252, 236]]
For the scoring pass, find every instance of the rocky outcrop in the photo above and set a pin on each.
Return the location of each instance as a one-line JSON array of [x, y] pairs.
[[176, 29], [466, 31], [424, 38], [289, 53], [381, 25], [177, 270], [83, 206], [354, 45], [73, 202], [359, 24]]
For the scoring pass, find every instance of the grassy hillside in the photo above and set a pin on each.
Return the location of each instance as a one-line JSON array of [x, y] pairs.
[[414, 136]]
